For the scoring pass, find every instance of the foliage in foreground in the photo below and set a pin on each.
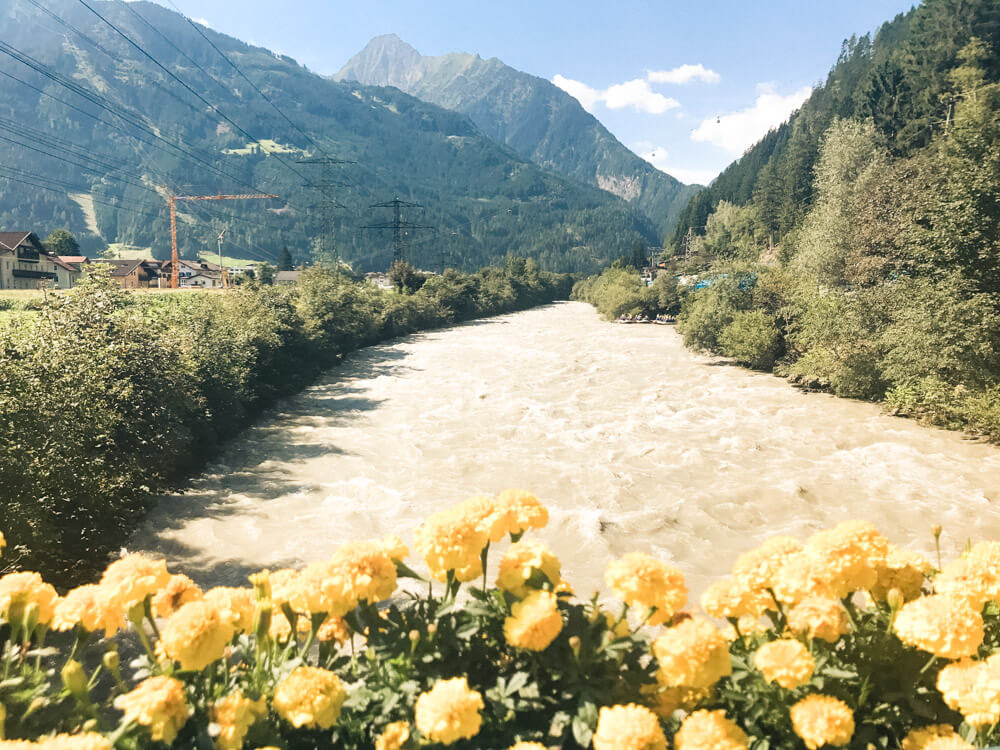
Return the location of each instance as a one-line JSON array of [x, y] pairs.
[[107, 397], [845, 640]]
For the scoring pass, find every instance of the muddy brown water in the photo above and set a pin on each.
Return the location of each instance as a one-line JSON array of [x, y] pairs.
[[634, 442]]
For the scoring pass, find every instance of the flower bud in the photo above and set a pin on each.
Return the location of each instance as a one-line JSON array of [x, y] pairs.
[[936, 530], [3, 719], [431, 629], [74, 679], [261, 585], [894, 599], [574, 643], [262, 621], [111, 661], [414, 636]]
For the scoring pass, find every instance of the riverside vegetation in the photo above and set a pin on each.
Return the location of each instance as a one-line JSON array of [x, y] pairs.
[[107, 397], [843, 641], [881, 280]]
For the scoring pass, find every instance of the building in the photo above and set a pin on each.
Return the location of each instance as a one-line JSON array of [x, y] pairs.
[[130, 274], [287, 278], [67, 274], [193, 273], [24, 263]]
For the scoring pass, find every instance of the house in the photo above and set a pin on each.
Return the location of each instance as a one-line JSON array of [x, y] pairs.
[[130, 274], [194, 273], [24, 263], [287, 278], [67, 274]]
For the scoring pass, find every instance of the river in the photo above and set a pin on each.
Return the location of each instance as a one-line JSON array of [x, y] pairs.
[[634, 443]]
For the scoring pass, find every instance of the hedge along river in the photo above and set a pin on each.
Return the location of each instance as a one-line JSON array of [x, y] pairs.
[[634, 443]]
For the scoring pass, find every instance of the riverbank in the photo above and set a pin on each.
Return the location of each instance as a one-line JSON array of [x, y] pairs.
[[108, 398], [633, 441]]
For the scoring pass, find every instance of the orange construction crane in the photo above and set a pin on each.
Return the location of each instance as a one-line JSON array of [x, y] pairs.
[[174, 257]]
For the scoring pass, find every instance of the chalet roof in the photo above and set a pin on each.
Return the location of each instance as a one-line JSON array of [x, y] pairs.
[[121, 267], [74, 259], [58, 260], [10, 240], [287, 275]]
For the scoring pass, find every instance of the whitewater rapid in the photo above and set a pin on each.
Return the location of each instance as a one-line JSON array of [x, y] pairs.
[[633, 442]]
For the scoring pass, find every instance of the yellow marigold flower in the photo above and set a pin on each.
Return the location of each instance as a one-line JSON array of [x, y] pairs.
[[973, 689], [449, 540], [786, 662], [525, 746], [333, 629], [310, 697], [802, 577], [850, 555], [642, 581], [83, 741], [819, 617], [975, 577], [732, 597], [17, 745], [368, 570], [944, 626], [523, 510], [822, 720], [235, 606], [3, 543], [393, 737], [18, 590], [393, 546], [131, 579], [196, 635], [492, 518], [694, 654], [628, 727], [179, 591], [710, 730], [234, 714], [157, 703], [520, 562], [79, 607], [936, 737], [758, 568], [534, 621], [957, 680], [903, 570], [287, 588], [449, 711]]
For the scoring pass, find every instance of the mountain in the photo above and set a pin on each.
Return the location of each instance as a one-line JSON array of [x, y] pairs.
[[899, 80], [531, 115], [99, 129]]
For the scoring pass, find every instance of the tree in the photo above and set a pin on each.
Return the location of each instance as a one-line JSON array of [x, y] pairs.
[[405, 277], [285, 262], [61, 242], [265, 273]]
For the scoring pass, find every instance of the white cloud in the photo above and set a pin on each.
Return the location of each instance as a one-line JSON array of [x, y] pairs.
[[655, 155], [659, 157], [684, 74], [203, 22], [635, 94], [737, 131]]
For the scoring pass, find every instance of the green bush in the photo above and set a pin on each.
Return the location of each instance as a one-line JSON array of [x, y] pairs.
[[108, 397], [752, 339]]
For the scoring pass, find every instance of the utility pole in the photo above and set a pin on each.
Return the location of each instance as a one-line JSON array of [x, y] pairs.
[[397, 226], [222, 270], [174, 255], [325, 185]]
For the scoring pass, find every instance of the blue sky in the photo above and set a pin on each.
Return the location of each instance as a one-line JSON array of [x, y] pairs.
[[686, 85]]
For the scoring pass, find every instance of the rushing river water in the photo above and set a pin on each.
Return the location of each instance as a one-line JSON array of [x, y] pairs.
[[634, 442]]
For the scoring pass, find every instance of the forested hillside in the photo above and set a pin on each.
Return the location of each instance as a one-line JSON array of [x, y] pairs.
[[530, 114], [119, 120], [857, 247]]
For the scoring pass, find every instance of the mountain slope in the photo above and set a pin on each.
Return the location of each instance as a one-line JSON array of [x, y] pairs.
[[898, 79], [533, 116], [122, 133]]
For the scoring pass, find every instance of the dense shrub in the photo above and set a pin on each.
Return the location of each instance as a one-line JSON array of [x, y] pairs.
[[620, 291], [752, 339], [843, 640], [107, 396]]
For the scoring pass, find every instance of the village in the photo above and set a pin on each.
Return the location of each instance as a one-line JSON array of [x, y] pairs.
[[27, 264]]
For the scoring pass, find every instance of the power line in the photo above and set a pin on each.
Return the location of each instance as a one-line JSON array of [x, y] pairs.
[[397, 226], [201, 98]]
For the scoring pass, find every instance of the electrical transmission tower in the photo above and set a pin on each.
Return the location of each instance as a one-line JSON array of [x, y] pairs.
[[398, 226], [326, 184]]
